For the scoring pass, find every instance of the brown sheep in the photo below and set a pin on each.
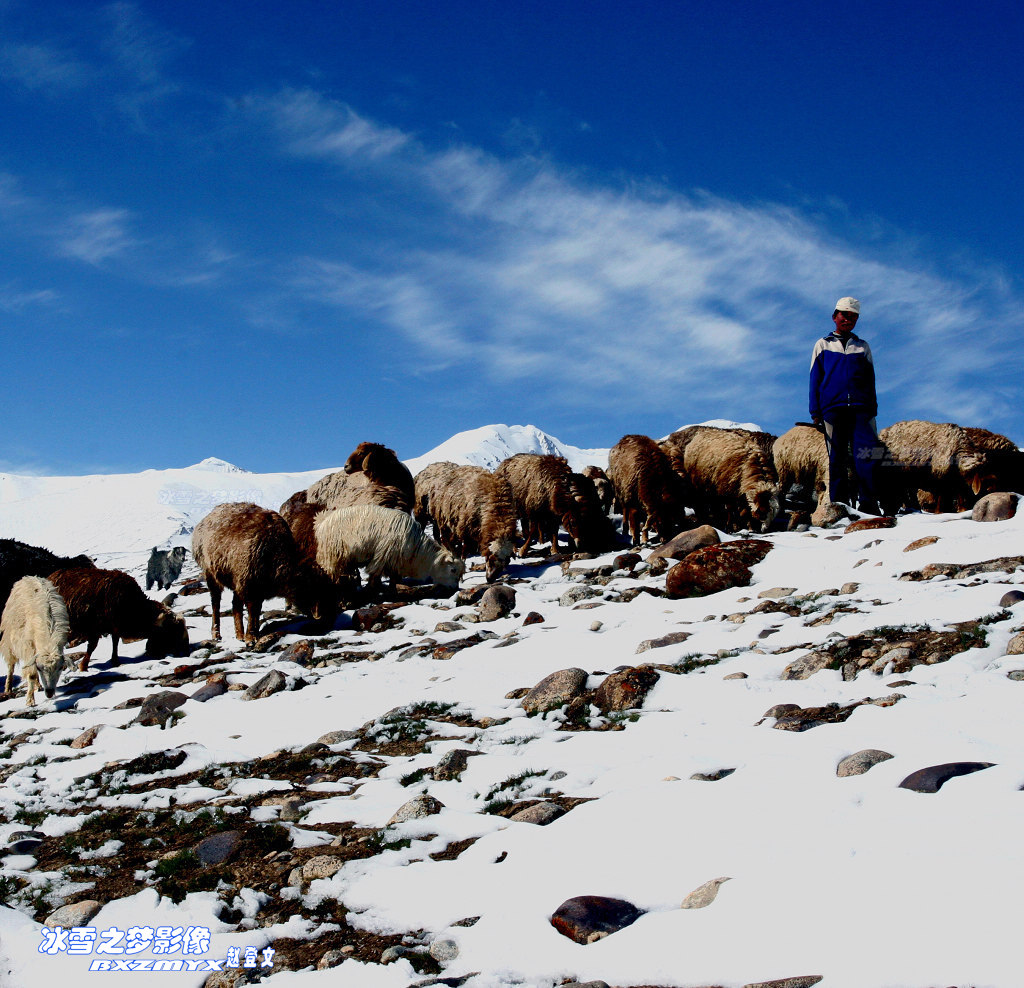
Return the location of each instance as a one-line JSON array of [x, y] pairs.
[[733, 483], [605, 488], [385, 542], [546, 495], [945, 467], [474, 514], [341, 490], [323, 594], [427, 482], [251, 551], [108, 602], [648, 491], [383, 469], [18, 559], [801, 458]]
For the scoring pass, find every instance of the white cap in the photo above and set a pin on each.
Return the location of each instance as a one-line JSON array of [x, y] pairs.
[[847, 305]]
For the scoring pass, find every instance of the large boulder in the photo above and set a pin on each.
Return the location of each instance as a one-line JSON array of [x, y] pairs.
[[715, 568]]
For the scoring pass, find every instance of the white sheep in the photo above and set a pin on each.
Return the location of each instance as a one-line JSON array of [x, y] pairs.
[[384, 542], [34, 629]]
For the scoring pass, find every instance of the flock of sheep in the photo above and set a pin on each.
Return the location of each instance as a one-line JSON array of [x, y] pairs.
[[372, 516]]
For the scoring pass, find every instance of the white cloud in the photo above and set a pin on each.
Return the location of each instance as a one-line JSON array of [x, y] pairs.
[[96, 236], [41, 68]]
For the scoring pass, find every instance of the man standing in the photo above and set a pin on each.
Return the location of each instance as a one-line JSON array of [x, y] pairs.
[[843, 405]]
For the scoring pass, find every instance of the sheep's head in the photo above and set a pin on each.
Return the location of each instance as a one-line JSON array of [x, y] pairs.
[[496, 557], [447, 571], [169, 635], [764, 506], [49, 666]]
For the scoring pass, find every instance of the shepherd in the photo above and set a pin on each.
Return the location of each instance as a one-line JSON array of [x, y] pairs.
[[843, 406]]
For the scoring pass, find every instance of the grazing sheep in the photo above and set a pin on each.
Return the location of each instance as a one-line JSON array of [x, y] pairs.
[[648, 491], [373, 474], [546, 495], [604, 486], [33, 631], [109, 602], [945, 467], [427, 482], [384, 542], [474, 515], [801, 458], [164, 567], [322, 594], [734, 483], [251, 551], [17, 559]]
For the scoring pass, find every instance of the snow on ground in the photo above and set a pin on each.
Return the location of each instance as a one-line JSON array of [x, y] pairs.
[[854, 879]]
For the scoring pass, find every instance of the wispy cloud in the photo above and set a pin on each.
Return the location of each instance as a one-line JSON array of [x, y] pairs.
[[14, 299], [44, 68], [97, 236]]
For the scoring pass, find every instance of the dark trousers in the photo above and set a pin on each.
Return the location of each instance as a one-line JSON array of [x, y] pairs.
[[852, 455]]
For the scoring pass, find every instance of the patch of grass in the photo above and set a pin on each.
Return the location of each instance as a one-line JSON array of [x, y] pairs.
[[31, 818], [386, 840], [890, 632], [8, 888], [695, 660], [177, 863], [512, 785], [413, 777], [975, 636]]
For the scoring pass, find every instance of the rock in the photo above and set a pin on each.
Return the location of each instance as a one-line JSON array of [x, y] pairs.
[[321, 866], [673, 638], [827, 514], [995, 507], [736, 675], [1017, 675], [334, 957], [218, 848], [627, 561], [555, 690], [300, 652], [626, 689], [715, 568], [158, 708], [1010, 598], [776, 592], [273, 682], [577, 593], [715, 776], [533, 618], [416, 808], [685, 543], [497, 602], [807, 665], [801, 981], [932, 779], [921, 543], [214, 686], [391, 954], [234, 978], [779, 710], [1015, 646], [540, 813], [867, 524], [338, 737], [452, 764], [859, 762], [444, 951], [86, 738], [75, 914], [587, 918], [704, 895]]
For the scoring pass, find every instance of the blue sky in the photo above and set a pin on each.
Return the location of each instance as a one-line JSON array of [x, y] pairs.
[[268, 231]]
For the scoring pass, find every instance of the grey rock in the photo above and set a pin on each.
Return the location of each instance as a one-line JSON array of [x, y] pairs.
[[859, 762], [333, 958], [806, 666], [416, 808], [1000, 506], [672, 638], [497, 602], [75, 914], [391, 954], [218, 848], [338, 737], [86, 738], [452, 764], [1016, 645], [932, 778], [1011, 597], [556, 690], [802, 981], [27, 845], [215, 686], [685, 543], [588, 918], [321, 866], [776, 592], [705, 894], [273, 682], [577, 593], [1017, 675], [540, 813], [444, 951], [158, 708], [715, 776]]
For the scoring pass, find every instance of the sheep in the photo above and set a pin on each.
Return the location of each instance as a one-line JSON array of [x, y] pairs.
[[164, 567], [385, 542], [945, 467], [34, 629], [801, 458], [474, 514], [647, 490], [733, 482], [547, 494], [109, 602], [605, 488], [427, 482], [373, 474], [17, 559], [251, 551], [322, 594]]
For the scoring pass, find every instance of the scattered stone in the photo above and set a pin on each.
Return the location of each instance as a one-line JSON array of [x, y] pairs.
[[932, 779], [416, 808], [444, 951], [779, 710], [627, 561], [273, 682], [1000, 506], [776, 592], [555, 690], [1015, 646], [867, 524], [334, 957], [321, 866], [802, 981], [86, 738], [338, 737], [215, 685], [673, 638], [1010, 598], [445, 626], [588, 918], [704, 895], [828, 513], [497, 602], [805, 718], [921, 543], [848, 588], [715, 776], [219, 848], [391, 954], [685, 543], [452, 764], [533, 618], [158, 708], [1017, 675], [859, 762], [539, 813], [736, 675], [300, 652], [75, 914], [596, 626], [807, 665], [576, 593], [715, 568], [626, 689]]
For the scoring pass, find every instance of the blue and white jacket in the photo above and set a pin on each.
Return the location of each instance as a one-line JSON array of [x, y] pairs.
[[842, 375]]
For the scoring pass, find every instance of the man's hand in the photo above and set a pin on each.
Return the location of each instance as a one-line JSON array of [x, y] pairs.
[[819, 423]]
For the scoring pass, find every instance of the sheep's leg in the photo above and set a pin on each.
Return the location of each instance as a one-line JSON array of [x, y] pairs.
[[253, 608], [215, 607], [10, 676], [30, 690], [236, 613], [114, 639], [89, 649]]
